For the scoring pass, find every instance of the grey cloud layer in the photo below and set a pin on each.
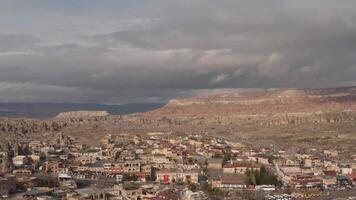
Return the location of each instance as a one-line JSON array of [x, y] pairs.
[[156, 50]]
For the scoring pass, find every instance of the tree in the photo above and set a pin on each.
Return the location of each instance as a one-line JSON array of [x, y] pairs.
[[213, 193], [267, 178], [257, 177], [129, 177], [248, 179], [206, 187], [193, 187], [263, 171], [180, 182], [260, 177], [48, 181], [150, 178], [129, 186], [271, 159], [227, 157]]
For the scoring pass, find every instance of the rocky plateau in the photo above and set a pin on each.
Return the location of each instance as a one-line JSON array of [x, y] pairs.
[[276, 114]]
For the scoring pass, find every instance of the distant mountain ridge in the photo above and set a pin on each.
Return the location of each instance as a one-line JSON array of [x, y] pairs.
[[50, 110], [279, 101]]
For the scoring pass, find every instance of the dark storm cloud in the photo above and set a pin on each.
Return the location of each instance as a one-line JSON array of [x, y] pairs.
[[11, 42], [156, 50]]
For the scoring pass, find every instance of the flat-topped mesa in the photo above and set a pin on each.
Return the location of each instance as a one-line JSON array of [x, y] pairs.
[[82, 114], [242, 98], [276, 101]]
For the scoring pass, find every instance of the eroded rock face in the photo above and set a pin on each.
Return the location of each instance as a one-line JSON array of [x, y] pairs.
[[265, 102], [26, 126], [269, 107], [227, 112], [82, 114]]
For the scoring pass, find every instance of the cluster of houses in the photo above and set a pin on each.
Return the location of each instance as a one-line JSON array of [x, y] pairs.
[[316, 169], [157, 166]]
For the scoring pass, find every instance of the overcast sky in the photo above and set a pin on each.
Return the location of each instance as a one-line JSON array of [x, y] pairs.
[[120, 51]]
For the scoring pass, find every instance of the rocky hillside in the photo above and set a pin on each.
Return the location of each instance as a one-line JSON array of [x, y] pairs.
[[267, 107], [23, 126], [265, 102], [254, 113]]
